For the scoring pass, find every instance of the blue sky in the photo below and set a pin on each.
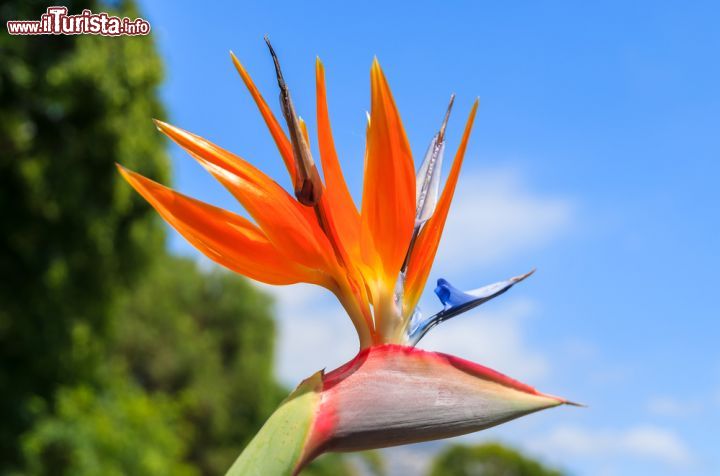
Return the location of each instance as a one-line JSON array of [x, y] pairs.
[[594, 158]]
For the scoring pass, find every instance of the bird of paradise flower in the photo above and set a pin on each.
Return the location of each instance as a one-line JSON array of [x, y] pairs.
[[376, 260]]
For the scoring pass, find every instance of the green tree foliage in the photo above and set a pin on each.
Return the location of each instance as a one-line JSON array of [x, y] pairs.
[[491, 459], [72, 235], [116, 430], [341, 464], [191, 353], [206, 339], [331, 464]]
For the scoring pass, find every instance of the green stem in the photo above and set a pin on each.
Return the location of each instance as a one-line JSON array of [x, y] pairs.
[[278, 447]]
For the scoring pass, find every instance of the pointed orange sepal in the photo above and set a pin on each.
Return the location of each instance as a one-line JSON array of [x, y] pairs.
[[224, 237], [388, 206], [344, 212], [281, 141], [290, 226]]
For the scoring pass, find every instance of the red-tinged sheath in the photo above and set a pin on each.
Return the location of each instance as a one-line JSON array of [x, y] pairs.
[[393, 395]]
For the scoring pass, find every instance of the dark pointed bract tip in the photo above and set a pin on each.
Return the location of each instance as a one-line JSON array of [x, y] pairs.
[[278, 71], [308, 186]]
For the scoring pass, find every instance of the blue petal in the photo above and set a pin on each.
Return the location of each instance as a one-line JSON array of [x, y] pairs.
[[450, 296], [456, 302]]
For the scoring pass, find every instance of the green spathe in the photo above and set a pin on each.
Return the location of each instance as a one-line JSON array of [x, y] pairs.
[[278, 446]]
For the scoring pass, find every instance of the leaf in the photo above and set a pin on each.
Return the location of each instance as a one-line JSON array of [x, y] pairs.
[[278, 447]]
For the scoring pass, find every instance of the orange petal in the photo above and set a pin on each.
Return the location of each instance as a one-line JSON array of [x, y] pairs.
[[290, 226], [427, 243], [278, 135], [388, 206], [344, 213], [224, 237]]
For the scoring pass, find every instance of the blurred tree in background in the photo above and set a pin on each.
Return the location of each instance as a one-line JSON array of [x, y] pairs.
[[490, 459], [207, 340], [186, 382], [73, 237], [114, 430]]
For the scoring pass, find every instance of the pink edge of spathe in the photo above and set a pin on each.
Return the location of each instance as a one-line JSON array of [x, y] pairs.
[[321, 437]]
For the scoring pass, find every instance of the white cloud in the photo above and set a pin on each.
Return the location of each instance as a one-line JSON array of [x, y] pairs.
[[314, 332], [493, 338], [671, 407], [495, 215], [642, 441], [579, 349], [656, 443], [411, 459]]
